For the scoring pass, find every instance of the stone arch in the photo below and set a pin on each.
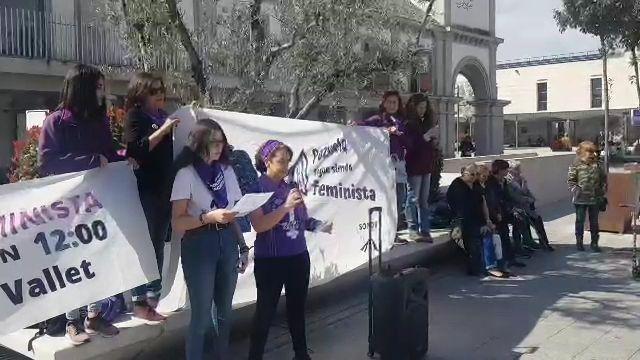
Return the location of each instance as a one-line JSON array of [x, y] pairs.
[[475, 72]]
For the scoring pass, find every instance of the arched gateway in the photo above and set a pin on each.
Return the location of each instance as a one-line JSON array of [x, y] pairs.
[[464, 43]]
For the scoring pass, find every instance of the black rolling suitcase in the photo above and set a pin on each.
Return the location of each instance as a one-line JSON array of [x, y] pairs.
[[398, 307]]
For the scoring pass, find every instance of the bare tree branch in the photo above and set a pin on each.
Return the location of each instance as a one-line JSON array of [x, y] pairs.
[[294, 99], [425, 20], [185, 38]]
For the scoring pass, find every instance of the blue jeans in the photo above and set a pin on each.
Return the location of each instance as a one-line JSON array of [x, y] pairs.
[[489, 252], [581, 217], [417, 208], [209, 263], [401, 200], [158, 215]]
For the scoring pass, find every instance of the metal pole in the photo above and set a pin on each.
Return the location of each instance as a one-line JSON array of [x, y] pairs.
[[457, 139], [517, 132]]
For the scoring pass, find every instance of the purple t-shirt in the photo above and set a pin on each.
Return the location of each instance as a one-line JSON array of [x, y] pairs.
[[287, 237]]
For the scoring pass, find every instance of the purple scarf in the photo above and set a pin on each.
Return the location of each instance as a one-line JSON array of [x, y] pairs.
[[213, 178], [158, 119]]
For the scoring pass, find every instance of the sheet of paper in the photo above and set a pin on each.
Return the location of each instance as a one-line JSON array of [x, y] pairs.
[[250, 202]]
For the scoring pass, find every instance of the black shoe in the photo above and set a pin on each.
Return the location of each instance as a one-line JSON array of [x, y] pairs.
[[595, 248], [580, 247], [523, 256], [548, 248], [302, 357]]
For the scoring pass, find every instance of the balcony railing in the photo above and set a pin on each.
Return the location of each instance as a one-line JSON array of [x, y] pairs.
[[43, 35]]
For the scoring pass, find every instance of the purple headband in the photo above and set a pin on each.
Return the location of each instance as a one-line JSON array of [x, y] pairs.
[[268, 148]]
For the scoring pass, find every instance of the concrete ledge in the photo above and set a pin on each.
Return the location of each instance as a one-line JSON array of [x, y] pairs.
[[140, 340], [454, 165]]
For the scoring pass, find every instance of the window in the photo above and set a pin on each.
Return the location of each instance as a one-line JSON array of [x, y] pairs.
[[542, 96], [596, 92]]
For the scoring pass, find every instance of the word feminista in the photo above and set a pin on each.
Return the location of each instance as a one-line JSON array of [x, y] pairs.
[[20, 220]]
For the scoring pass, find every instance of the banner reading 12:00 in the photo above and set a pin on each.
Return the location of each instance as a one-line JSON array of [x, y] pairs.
[[69, 240]]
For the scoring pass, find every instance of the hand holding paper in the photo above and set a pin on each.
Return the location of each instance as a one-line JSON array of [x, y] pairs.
[[249, 203]]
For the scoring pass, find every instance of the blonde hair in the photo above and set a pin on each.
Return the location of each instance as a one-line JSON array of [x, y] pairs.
[[586, 146]]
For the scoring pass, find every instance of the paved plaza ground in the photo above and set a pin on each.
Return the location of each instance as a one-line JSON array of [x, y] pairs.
[[564, 305]]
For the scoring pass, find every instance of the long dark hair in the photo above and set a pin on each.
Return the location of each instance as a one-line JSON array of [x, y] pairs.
[[421, 122], [141, 87], [198, 144], [79, 93], [385, 96]]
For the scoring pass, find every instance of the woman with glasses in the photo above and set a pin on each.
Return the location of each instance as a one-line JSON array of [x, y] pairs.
[[147, 134], [465, 197]]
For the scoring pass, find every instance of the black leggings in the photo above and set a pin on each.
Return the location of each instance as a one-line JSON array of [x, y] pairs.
[[271, 274]]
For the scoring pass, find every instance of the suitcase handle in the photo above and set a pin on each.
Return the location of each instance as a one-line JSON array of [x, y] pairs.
[[372, 211]]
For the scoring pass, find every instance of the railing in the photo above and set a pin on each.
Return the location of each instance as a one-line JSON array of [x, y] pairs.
[[43, 35], [550, 59]]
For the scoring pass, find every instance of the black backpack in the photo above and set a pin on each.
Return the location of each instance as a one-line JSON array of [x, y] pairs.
[[56, 326]]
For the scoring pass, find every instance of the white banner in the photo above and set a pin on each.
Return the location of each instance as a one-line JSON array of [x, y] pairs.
[[344, 170], [69, 240]]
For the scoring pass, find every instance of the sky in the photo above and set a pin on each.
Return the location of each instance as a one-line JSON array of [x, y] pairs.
[[529, 30]]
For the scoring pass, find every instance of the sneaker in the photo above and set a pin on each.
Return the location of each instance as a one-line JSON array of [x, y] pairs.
[[75, 335], [98, 325], [595, 248], [414, 236], [148, 313], [400, 241], [548, 248], [425, 238], [153, 302], [497, 274]]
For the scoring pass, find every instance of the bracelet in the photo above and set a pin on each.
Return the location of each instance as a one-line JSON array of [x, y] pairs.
[[201, 217]]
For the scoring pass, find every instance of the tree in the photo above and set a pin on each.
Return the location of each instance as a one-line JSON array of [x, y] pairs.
[[319, 50], [355, 45], [603, 19], [630, 38]]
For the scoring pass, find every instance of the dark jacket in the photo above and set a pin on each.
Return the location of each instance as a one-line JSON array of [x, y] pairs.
[[68, 145], [155, 172], [466, 203], [499, 199], [420, 155]]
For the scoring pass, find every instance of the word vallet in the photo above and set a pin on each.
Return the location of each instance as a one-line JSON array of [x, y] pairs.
[[52, 280]]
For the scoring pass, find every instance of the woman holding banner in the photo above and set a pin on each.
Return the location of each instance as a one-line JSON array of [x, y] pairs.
[[77, 137], [281, 256], [204, 188], [147, 134], [390, 118]]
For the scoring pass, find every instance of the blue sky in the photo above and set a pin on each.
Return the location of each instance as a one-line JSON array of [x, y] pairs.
[[528, 29]]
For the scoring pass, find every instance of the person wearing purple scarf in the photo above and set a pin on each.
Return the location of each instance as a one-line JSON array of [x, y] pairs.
[[281, 256], [147, 135], [76, 137], [390, 118], [213, 248]]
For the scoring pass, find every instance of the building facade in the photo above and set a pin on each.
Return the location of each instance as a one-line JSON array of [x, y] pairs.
[[41, 39], [563, 95]]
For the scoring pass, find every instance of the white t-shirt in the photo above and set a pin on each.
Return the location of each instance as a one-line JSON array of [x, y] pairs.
[[189, 186]]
